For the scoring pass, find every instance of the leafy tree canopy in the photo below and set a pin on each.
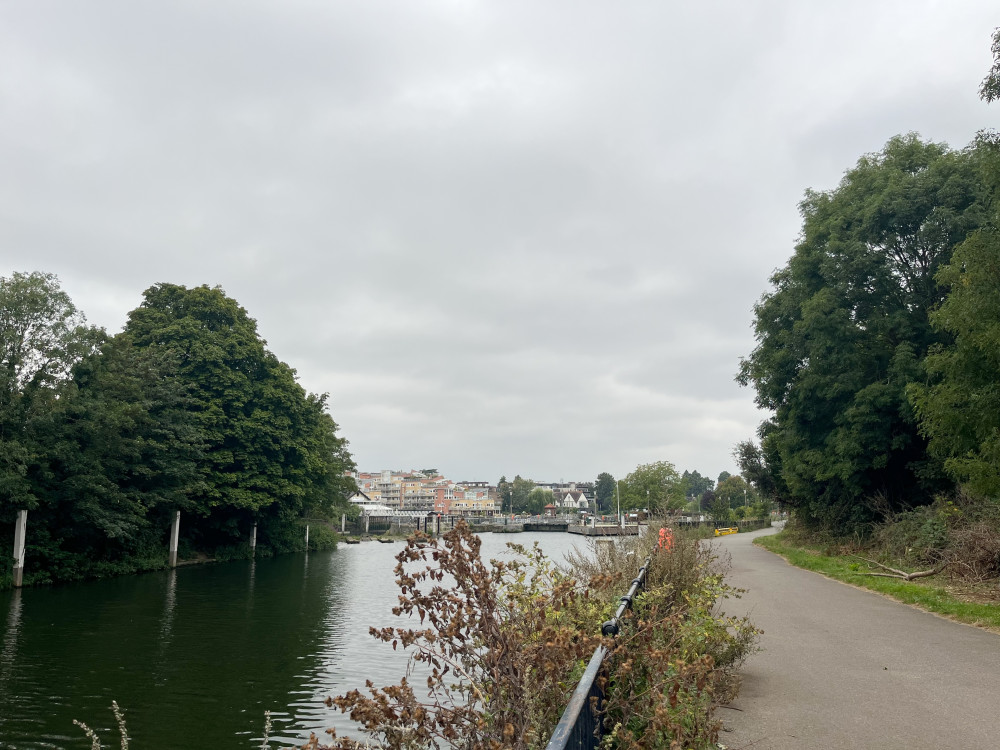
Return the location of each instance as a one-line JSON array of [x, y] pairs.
[[990, 89], [757, 467], [959, 405], [656, 486], [520, 489], [42, 336], [537, 499], [604, 492], [695, 484], [266, 442], [734, 492], [846, 328]]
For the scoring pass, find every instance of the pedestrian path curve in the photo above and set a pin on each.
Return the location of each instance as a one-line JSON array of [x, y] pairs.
[[841, 667]]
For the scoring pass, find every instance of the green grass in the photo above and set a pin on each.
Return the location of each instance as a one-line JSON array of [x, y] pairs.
[[922, 593]]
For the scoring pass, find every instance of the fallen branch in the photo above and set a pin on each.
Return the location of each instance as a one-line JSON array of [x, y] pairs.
[[902, 574]]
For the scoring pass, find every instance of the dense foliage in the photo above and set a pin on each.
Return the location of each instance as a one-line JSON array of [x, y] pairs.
[[877, 348], [656, 486], [103, 438], [500, 646], [604, 492], [847, 328]]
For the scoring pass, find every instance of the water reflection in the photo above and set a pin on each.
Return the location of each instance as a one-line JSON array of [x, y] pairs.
[[166, 626], [8, 655], [196, 655]]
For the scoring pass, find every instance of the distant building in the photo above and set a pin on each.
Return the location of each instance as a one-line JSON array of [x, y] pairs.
[[368, 506], [412, 492]]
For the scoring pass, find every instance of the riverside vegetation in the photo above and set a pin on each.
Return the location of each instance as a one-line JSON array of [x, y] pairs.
[[878, 358], [503, 644], [496, 648], [103, 438]]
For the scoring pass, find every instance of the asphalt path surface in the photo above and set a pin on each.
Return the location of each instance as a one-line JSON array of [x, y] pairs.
[[845, 668]]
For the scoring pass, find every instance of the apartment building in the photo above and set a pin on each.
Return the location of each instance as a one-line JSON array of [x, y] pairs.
[[414, 492]]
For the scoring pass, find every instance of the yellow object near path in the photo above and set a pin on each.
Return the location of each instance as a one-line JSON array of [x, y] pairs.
[[723, 532]]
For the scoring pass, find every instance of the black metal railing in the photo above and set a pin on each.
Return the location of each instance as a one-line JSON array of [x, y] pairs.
[[580, 727]]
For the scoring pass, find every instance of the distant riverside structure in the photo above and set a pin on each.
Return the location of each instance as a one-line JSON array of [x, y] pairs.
[[391, 492]]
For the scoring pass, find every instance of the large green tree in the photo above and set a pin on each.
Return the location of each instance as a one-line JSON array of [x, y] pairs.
[[735, 492], [520, 489], [959, 406], [504, 495], [604, 492], [120, 450], [656, 486], [42, 336], [758, 468], [269, 448], [695, 484], [537, 499], [846, 328]]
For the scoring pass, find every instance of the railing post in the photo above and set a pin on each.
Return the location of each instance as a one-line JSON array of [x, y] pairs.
[[580, 725]]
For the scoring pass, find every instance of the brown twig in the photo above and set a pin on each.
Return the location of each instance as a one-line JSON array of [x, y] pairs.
[[902, 574]]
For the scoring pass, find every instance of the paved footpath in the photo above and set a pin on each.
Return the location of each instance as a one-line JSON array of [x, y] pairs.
[[846, 668]]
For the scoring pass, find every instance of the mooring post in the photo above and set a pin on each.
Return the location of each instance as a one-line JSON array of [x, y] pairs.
[[437, 525], [366, 523], [175, 532], [307, 537], [253, 541], [20, 531], [343, 522]]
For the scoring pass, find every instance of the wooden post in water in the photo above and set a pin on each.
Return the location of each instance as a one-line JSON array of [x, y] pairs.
[[175, 532], [343, 522], [437, 525], [20, 532], [307, 537], [253, 541]]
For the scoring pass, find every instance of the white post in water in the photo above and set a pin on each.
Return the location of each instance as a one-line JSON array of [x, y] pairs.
[[343, 522], [307, 537], [253, 541], [20, 529], [366, 523], [175, 532]]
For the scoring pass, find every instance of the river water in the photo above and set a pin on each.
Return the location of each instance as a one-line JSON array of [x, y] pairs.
[[196, 655]]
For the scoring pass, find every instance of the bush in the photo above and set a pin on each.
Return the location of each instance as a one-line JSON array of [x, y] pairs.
[[960, 531], [504, 645]]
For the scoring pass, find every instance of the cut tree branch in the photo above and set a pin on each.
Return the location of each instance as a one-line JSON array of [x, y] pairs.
[[902, 574]]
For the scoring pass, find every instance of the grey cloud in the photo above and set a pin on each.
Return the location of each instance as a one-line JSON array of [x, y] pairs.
[[506, 237]]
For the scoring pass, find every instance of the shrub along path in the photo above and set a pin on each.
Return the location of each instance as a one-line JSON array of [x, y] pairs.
[[845, 668]]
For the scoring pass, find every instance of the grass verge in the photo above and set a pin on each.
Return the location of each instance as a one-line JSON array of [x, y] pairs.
[[923, 593]]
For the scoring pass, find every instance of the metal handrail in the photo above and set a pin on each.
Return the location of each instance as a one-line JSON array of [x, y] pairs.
[[578, 728]]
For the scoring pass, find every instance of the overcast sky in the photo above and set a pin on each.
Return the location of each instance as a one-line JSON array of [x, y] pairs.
[[506, 237]]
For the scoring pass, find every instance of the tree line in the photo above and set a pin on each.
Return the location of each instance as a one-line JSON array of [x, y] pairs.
[[103, 438], [878, 344], [656, 486]]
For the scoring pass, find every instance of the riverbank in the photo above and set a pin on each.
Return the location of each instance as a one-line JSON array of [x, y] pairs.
[[967, 603], [156, 557]]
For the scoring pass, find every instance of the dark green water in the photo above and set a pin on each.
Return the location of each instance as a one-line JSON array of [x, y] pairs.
[[195, 656]]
